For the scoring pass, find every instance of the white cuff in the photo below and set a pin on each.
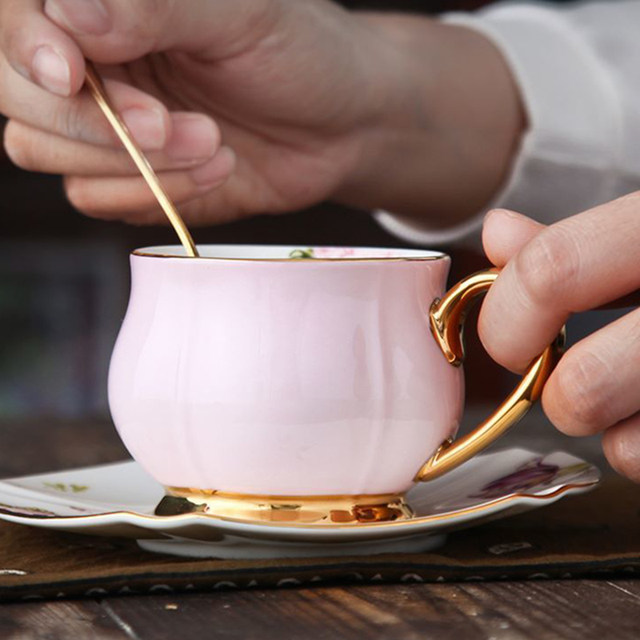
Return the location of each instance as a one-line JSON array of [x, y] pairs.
[[568, 157], [468, 232]]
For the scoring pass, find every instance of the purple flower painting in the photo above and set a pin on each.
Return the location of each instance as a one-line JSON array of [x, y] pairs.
[[529, 475]]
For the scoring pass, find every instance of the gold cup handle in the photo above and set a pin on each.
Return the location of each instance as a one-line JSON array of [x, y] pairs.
[[447, 318]]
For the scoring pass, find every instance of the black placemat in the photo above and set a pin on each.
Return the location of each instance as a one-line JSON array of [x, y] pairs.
[[592, 534]]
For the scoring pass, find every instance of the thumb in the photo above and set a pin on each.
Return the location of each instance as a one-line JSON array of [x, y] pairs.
[[505, 232], [48, 46], [117, 31]]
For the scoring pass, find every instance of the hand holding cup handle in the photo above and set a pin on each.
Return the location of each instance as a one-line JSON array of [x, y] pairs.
[[447, 317]]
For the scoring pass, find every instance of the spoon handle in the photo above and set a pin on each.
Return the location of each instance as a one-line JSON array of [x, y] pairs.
[[98, 92]]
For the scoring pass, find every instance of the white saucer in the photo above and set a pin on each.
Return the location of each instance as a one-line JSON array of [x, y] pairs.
[[119, 500]]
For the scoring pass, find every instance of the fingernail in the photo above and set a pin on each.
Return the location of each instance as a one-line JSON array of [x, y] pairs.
[[193, 137], [51, 70], [84, 17], [216, 170], [147, 126]]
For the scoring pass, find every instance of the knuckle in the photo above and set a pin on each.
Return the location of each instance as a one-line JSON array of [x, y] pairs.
[[138, 20], [547, 265], [68, 120], [582, 378]]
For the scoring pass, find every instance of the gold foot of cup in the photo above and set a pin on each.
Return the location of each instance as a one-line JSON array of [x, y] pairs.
[[330, 510]]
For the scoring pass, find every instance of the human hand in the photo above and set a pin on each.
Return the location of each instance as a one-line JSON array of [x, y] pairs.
[[583, 262], [237, 65], [249, 106]]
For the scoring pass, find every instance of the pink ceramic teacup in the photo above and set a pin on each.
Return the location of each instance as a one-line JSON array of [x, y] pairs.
[[259, 386]]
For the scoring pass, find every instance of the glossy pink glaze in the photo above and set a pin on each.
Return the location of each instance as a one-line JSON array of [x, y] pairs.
[[285, 378]]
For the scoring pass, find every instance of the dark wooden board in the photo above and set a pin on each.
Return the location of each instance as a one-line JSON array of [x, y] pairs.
[[580, 609], [546, 610]]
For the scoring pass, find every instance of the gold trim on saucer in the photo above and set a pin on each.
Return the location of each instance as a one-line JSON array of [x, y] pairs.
[[437, 519], [329, 510]]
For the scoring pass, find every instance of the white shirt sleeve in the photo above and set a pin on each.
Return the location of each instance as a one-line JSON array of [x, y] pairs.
[[578, 70]]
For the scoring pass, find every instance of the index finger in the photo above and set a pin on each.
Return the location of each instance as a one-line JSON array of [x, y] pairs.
[[580, 263]]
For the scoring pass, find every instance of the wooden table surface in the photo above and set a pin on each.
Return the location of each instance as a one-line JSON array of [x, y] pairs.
[[580, 609]]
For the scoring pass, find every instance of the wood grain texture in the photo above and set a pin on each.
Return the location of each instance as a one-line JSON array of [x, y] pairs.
[[72, 620], [546, 610], [514, 611]]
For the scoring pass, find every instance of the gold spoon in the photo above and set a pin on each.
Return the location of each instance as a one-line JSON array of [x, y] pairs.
[[99, 94]]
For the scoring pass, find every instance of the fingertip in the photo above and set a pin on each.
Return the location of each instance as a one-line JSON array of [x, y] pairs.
[[146, 117], [58, 70], [216, 171], [228, 159], [495, 216], [490, 227], [621, 447], [50, 69], [499, 353], [558, 407], [76, 195], [150, 126], [505, 232], [194, 137], [496, 334]]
